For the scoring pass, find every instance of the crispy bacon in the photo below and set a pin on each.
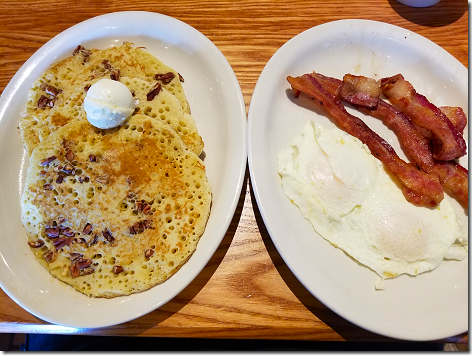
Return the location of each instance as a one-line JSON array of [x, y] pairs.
[[414, 144], [419, 188], [456, 115], [448, 143], [412, 141], [332, 85], [452, 176], [360, 90]]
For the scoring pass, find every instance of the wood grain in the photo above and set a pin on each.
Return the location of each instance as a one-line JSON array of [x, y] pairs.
[[246, 291]]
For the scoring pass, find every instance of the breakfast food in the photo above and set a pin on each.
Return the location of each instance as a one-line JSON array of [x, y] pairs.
[[160, 105], [116, 196], [61, 79], [364, 92], [355, 204], [114, 212], [418, 187], [447, 142], [422, 187], [346, 183]]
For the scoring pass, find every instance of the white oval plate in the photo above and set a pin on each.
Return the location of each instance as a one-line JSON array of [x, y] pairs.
[[430, 306], [218, 107]]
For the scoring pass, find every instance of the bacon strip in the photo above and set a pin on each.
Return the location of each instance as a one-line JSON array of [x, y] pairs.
[[414, 144], [412, 141], [452, 176], [455, 178], [419, 188], [360, 90], [448, 143], [456, 115]]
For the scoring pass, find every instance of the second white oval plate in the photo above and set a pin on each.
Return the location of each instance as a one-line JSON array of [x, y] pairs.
[[218, 107], [431, 306]]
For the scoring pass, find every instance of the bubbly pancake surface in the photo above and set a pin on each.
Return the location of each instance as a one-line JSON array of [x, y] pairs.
[[164, 106], [116, 211], [86, 65]]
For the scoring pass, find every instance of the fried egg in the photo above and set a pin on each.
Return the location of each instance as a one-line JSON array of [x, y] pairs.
[[353, 202]]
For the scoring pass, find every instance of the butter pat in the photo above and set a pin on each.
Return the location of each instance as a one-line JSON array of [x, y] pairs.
[[108, 104]]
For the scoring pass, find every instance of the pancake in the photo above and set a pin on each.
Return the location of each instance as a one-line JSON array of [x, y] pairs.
[[114, 212], [61, 79], [164, 106]]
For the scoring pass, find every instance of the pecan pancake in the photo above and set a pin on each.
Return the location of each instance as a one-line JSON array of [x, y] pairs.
[[114, 212], [152, 99], [61, 80]]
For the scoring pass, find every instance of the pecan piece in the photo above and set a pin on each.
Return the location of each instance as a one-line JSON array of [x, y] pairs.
[[181, 78], [75, 256], [87, 229], [165, 78], [88, 270], [108, 236], [93, 240], [68, 232], [47, 161], [61, 242], [85, 52], [92, 158], [117, 269], [154, 92], [70, 155], [148, 253], [74, 270], [48, 187], [83, 263], [139, 227], [48, 256], [60, 179], [52, 232], [43, 101], [51, 102], [36, 243], [139, 206], [78, 49], [115, 74], [66, 144], [147, 209], [106, 64], [68, 168], [51, 90], [103, 179]]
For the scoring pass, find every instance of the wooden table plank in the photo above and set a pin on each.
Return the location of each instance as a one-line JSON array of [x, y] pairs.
[[246, 290]]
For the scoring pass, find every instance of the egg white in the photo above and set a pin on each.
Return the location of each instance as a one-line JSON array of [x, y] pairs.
[[357, 205]]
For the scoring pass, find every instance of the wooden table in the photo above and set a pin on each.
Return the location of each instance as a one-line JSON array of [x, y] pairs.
[[246, 291]]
